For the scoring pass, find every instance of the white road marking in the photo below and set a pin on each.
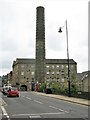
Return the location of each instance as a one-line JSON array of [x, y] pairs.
[[53, 107], [28, 98], [38, 114], [4, 112], [59, 109], [35, 116], [38, 102], [64, 111]]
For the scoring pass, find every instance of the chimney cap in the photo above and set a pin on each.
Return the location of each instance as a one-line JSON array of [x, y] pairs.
[[40, 7]]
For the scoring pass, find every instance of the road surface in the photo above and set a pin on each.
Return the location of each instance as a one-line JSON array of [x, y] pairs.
[[31, 105]]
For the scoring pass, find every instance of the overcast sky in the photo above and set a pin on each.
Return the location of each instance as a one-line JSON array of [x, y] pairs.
[[18, 31]]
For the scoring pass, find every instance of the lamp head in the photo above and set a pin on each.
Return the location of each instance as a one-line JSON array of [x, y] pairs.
[[60, 30]]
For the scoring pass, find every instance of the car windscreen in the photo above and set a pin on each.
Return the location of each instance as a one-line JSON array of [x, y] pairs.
[[14, 89]]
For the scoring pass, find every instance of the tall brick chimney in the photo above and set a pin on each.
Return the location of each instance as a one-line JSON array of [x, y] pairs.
[[40, 45]]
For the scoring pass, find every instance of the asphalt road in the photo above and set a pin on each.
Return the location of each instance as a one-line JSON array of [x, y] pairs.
[[31, 105]]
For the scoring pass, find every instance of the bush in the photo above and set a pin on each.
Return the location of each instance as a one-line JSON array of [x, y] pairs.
[[55, 88], [73, 89], [42, 87]]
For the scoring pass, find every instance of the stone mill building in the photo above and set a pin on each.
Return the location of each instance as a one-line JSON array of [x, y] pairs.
[[26, 72]]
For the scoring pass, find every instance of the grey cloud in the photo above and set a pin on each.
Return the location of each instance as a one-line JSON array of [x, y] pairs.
[[5, 64], [56, 44], [9, 45]]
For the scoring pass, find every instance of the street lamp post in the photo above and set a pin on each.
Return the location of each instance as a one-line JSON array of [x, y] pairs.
[[60, 30]]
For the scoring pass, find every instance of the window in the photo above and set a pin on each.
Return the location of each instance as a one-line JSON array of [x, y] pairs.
[[57, 73], [62, 66], [32, 73], [47, 66], [62, 73], [53, 79], [22, 73], [48, 79], [62, 79], [58, 79], [66, 66], [47, 73], [28, 72], [52, 66], [52, 73], [57, 66], [72, 67]]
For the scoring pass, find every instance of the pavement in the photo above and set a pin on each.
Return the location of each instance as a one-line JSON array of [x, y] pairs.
[[66, 98], [2, 102]]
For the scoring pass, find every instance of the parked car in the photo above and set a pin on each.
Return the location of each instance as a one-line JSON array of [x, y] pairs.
[[5, 89], [48, 91], [13, 92]]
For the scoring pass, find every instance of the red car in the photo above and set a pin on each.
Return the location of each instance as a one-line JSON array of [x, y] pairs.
[[13, 92]]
